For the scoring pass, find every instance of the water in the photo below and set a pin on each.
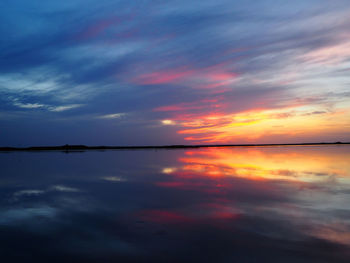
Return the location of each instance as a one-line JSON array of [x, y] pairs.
[[259, 204]]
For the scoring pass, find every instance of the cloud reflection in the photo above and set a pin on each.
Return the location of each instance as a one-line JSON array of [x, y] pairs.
[[276, 204]]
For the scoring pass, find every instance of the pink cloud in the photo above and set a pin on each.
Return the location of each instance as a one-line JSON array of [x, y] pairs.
[[98, 28], [161, 77], [330, 55], [210, 77], [206, 103]]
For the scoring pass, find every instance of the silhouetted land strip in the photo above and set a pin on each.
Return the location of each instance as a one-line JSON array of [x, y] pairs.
[[85, 148]]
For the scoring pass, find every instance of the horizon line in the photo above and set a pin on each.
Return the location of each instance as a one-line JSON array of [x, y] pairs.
[[68, 147]]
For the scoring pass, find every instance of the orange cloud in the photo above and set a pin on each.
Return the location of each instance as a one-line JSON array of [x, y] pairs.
[[250, 126]]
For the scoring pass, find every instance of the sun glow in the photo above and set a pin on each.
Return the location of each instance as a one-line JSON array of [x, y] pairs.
[[294, 123], [168, 122]]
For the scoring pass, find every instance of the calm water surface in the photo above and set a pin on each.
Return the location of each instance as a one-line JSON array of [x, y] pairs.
[[267, 204]]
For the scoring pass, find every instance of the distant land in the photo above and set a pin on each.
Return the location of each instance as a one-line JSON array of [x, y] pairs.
[[68, 147]]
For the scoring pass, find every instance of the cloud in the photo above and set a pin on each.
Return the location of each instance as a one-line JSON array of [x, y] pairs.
[[29, 105], [28, 193], [112, 116], [13, 216], [36, 192], [62, 188], [114, 179], [168, 122], [64, 108]]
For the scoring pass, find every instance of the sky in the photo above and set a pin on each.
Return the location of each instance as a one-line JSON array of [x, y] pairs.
[[174, 72]]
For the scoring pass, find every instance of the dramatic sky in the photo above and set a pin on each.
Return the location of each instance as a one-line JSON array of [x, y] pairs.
[[174, 72]]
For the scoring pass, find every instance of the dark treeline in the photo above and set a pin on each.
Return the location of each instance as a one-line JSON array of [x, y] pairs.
[[84, 147]]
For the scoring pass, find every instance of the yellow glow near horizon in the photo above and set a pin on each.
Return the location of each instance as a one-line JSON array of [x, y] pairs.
[[300, 165], [299, 123]]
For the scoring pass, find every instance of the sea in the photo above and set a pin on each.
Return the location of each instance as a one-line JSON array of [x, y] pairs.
[[220, 204]]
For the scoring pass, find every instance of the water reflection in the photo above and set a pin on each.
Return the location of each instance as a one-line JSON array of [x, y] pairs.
[[277, 204]]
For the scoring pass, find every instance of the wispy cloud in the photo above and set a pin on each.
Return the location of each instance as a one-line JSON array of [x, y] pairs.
[[111, 116], [29, 105], [64, 108]]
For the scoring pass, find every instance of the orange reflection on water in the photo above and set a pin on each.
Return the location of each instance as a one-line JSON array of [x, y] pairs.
[[305, 164], [302, 188]]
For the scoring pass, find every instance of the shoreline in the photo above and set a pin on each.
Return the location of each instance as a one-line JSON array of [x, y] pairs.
[[87, 148]]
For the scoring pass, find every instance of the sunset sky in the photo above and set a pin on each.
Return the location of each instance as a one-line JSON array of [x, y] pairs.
[[174, 72]]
